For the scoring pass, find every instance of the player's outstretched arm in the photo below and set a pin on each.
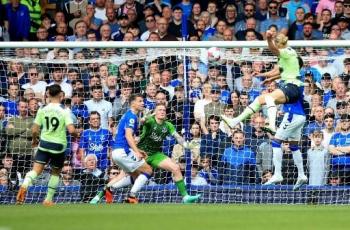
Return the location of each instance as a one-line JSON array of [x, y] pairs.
[[182, 141], [35, 134], [72, 131], [272, 46]]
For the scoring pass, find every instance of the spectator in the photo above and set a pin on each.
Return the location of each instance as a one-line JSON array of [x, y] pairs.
[[42, 34], [266, 176], [59, 21], [10, 103], [18, 17], [91, 178], [151, 27], [178, 150], [3, 123], [324, 66], [196, 178], [212, 10], [346, 8], [324, 4], [177, 105], [219, 34], [325, 23], [215, 107], [317, 113], [100, 9], [214, 141], [123, 21], [343, 23], [249, 11], [292, 6], [328, 130], [19, 135], [103, 107], [67, 176], [317, 160], [274, 19], [80, 30], [39, 87], [195, 13], [338, 11], [204, 25], [339, 149], [162, 27], [121, 103], [4, 180], [335, 179], [230, 15], [165, 83], [75, 11], [340, 95], [207, 172], [14, 177], [175, 26], [57, 79], [239, 162], [250, 26], [228, 112], [297, 25], [134, 5], [97, 141], [112, 20], [308, 33]]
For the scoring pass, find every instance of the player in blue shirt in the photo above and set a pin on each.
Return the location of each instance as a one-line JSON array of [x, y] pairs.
[[96, 140], [127, 155]]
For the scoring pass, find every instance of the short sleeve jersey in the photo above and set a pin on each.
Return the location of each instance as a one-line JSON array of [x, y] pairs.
[[97, 142], [53, 120], [288, 61], [128, 120], [153, 134]]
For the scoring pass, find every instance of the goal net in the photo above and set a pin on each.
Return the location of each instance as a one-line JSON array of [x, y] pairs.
[[198, 84]]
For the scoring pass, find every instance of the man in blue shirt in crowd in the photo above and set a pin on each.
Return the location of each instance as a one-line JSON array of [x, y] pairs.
[[339, 148], [19, 20], [239, 162], [97, 141]]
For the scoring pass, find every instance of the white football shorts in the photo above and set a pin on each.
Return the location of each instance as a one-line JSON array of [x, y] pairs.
[[127, 162], [291, 129]]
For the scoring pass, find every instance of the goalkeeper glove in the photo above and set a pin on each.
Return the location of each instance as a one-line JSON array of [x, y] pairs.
[[189, 145]]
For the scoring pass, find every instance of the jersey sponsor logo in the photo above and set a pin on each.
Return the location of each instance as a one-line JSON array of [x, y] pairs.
[[155, 137], [164, 130], [96, 148]]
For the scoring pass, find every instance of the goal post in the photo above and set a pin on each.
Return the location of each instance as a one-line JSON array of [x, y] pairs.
[[197, 89]]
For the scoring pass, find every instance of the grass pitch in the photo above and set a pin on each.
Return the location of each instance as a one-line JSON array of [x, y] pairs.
[[174, 216]]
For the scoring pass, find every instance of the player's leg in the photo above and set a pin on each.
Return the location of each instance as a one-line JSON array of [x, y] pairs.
[[41, 159], [297, 126], [271, 99], [160, 160], [128, 165], [120, 181], [144, 172], [57, 161], [277, 162], [282, 134]]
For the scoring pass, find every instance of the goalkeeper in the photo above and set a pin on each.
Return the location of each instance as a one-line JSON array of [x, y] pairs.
[[154, 131]]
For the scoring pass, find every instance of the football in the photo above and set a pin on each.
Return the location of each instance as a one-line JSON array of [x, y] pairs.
[[214, 54]]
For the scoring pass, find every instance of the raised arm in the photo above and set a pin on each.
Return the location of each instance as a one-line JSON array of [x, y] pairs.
[[272, 46]]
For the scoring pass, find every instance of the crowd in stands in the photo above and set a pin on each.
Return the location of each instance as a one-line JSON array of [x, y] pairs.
[[97, 93]]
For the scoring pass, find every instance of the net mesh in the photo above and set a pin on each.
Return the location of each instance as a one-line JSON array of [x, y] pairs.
[[186, 79]]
